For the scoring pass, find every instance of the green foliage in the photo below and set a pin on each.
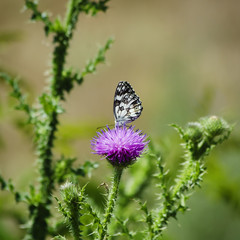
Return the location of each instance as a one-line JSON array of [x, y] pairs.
[[8, 185], [71, 206], [44, 117], [64, 169], [112, 197], [79, 214], [16, 93], [200, 137], [124, 229]]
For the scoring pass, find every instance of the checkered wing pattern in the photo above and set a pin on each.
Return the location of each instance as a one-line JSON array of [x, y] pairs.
[[127, 106]]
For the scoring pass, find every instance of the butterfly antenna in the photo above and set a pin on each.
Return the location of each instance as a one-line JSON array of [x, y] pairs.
[[109, 125]]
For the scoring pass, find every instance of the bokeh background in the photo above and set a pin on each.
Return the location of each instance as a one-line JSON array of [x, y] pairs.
[[183, 60]]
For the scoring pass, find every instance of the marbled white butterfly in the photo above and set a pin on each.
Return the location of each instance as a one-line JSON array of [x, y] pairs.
[[127, 106]]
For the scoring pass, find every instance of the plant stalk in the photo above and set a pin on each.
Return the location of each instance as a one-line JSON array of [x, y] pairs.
[[112, 197]]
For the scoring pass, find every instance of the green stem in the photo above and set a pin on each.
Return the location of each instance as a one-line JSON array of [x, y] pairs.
[[69, 14], [111, 202], [183, 179], [75, 220], [40, 211], [189, 178]]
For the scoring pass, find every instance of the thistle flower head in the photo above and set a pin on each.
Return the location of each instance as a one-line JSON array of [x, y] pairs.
[[121, 146]]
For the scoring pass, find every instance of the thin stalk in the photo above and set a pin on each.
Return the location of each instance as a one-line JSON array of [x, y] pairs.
[[75, 219], [188, 179], [40, 212], [191, 175], [112, 197]]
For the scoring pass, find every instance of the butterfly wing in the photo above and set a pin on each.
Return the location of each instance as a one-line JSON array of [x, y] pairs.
[[127, 106]]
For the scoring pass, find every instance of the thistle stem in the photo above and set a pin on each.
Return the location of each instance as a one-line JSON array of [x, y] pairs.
[[112, 197]]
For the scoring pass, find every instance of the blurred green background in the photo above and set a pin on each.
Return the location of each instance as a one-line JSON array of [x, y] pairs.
[[183, 60]]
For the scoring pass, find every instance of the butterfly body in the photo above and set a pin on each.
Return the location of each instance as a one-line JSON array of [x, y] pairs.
[[127, 106]]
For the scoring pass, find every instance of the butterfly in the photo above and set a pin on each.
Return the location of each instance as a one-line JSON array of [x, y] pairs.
[[127, 106]]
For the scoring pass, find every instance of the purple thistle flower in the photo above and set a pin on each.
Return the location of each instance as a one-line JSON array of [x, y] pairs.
[[121, 146]]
